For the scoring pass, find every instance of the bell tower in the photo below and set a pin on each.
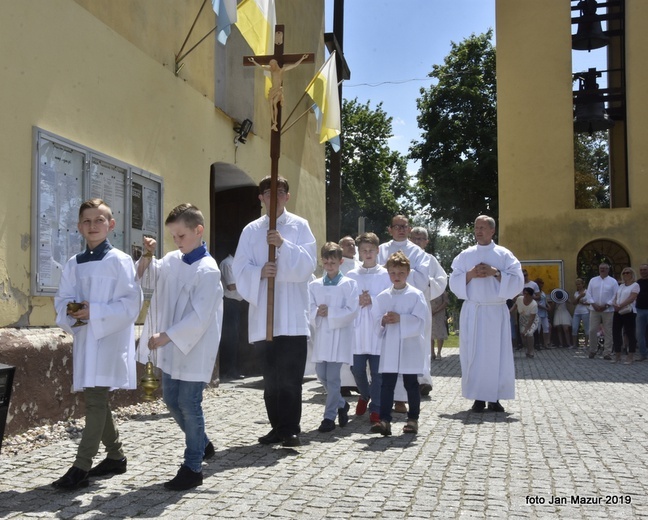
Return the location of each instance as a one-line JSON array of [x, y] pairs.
[[600, 100]]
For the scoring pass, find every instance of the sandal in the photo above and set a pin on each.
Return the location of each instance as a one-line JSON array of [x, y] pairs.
[[382, 427], [411, 426]]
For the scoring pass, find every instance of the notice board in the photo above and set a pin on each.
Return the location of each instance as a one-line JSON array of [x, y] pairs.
[[67, 173]]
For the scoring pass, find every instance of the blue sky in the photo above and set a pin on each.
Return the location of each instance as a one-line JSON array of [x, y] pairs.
[[391, 46]]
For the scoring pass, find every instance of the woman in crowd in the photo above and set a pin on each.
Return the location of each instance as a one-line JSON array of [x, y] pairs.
[[625, 315]]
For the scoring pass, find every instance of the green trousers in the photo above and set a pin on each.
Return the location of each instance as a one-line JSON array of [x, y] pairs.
[[99, 428]]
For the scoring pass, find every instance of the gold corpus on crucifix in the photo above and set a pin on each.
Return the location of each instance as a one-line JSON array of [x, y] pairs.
[[277, 64]]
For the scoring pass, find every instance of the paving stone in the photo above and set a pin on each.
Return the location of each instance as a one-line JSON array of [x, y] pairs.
[[577, 429]]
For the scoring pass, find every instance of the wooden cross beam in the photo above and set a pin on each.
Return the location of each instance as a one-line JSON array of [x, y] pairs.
[[276, 64]]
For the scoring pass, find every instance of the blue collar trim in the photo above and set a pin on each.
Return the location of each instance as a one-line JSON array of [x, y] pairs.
[[94, 255], [196, 254], [334, 281]]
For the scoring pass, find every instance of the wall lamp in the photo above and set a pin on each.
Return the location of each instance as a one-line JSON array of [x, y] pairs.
[[242, 131]]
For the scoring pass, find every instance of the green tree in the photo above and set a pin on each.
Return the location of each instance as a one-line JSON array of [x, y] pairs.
[[591, 170], [457, 179], [374, 178]]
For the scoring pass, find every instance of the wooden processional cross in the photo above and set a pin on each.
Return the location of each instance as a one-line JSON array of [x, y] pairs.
[[276, 64]]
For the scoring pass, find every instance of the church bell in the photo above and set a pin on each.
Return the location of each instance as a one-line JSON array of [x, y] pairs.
[[589, 34], [590, 114]]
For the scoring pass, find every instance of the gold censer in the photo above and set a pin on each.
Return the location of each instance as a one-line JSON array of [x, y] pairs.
[[149, 382]]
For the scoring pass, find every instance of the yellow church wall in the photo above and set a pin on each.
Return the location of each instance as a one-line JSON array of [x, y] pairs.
[[637, 112], [538, 220], [158, 28], [70, 74]]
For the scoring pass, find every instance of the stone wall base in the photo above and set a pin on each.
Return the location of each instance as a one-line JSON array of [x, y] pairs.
[[42, 387]]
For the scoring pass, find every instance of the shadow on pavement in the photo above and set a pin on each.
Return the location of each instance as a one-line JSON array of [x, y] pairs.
[[469, 417], [152, 500]]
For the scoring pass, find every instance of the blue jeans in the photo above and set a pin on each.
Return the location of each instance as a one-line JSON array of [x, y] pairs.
[[367, 391], [184, 401], [329, 374], [410, 381], [642, 324]]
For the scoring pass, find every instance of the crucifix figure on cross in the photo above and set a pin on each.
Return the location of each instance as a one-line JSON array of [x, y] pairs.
[[275, 95], [277, 64]]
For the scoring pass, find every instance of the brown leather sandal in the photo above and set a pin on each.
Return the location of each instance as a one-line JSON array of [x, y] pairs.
[[411, 426]]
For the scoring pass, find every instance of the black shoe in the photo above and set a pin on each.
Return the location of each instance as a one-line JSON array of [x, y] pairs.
[[185, 479], [345, 391], [495, 407], [343, 415], [74, 478], [607, 358], [209, 451], [425, 389], [479, 406], [328, 425], [270, 438], [592, 355], [108, 467], [290, 441]]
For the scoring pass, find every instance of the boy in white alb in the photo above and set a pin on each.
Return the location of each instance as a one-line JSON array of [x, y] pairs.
[[102, 278], [419, 277], [182, 331], [372, 279], [333, 308], [401, 318]]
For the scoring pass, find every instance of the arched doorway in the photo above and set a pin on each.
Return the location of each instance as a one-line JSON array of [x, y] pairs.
[[234, 202], [601, 250]]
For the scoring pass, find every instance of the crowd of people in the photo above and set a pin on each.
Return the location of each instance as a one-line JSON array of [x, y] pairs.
[[377, 308], [612, 314]]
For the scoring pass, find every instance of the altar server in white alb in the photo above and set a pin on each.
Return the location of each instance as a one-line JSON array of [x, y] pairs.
[[182, 331], [102, 279], [372, 279], [419, 277], [485, 276], [285, 355], [401, 318], [334, 304]]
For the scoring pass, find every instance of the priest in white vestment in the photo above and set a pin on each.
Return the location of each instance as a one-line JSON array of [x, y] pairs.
[[485, 276]]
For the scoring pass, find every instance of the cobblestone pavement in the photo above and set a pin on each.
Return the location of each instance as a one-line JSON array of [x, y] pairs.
[[572, 445]]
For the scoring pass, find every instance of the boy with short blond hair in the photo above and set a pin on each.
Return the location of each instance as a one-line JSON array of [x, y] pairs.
[[401, 317], [372, 278], [101, 278], [182, 331], [333, 307]]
